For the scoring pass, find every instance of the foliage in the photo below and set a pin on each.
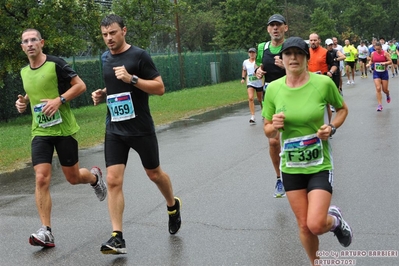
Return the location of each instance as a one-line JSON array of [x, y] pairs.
[[243, 22], [66, 26], [198, 24], [145, 18], [198, 29], [322, 24]]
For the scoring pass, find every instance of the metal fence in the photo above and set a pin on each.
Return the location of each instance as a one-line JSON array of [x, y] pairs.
[[188, 70]]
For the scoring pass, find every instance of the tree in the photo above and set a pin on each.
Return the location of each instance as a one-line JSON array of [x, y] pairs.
[[197, 29], [322, 24], [243, 23], [145, 18], [67, 27]]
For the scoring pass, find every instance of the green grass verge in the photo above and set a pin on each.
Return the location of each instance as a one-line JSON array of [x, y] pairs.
[[16, 136]]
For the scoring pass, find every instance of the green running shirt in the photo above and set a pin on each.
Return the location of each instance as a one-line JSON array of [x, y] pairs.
[[49, 81]]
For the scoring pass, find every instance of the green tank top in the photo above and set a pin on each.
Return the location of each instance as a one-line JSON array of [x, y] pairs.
[[46, 82]]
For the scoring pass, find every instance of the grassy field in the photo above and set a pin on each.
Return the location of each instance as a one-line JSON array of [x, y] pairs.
[[16, 136]]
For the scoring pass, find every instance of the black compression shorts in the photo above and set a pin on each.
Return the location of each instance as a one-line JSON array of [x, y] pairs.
[[321, 180], [43, 150], [117, 149]]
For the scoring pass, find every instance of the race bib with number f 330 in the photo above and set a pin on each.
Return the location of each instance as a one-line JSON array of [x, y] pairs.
[[303, 151]]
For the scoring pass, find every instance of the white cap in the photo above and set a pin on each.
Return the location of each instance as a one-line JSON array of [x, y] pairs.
[[329, 41]]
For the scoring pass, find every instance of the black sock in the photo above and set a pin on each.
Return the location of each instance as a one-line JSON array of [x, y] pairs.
[[174, 207], [118, 234]]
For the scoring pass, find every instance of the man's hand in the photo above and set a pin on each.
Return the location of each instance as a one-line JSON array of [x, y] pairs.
[[21, 104], [278, 61], [260, 72], [51, 106], [97, 96], [122, 74]]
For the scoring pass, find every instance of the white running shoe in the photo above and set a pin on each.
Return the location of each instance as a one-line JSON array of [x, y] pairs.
[[100, 188], [43, 237]]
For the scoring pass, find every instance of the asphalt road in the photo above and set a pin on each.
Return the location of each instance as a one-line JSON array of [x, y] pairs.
[[220, 168]]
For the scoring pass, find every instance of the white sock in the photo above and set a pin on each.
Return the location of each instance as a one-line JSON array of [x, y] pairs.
[[335, 224]]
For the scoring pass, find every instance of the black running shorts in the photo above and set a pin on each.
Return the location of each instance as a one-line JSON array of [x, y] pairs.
[[66, 147], [321, 180], [258, 89], [351, 64], [117, 149]]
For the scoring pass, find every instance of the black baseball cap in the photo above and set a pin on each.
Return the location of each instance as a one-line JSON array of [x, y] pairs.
[[276, 18], [295, 42], [252, 50]]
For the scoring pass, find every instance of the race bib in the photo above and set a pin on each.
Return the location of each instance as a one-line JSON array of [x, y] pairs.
[[120, 106], [252, 77], [45, 121], [303, 151], [379, 67]]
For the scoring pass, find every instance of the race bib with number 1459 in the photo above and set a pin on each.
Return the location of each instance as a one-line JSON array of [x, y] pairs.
[[120, 106]]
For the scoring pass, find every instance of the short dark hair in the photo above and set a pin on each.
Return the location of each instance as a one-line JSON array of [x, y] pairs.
[[111, 19], [37, 32]]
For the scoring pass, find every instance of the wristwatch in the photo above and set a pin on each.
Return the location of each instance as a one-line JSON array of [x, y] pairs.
[[333, 129], [134, 79], [62, 99]]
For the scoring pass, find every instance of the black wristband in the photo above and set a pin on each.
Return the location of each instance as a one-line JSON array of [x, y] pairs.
[[243, 78]]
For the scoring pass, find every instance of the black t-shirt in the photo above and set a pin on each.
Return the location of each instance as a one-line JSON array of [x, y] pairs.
[[137, 62], [273, 72], [332, 55]]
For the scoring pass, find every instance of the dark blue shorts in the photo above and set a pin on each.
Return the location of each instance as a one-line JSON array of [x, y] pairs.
[[381, 75]]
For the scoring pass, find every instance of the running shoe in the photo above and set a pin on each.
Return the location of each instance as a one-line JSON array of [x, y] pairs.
[[379, 108], [43, 237], [175, 218], [252, 121], [279, 191], [343, 231], [352, 82], [388, 98], [332, 108], [100, 188], [348, 83], [114, 245]]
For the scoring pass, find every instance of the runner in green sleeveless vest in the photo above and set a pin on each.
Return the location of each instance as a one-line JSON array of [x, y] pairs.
[[50, 84]]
